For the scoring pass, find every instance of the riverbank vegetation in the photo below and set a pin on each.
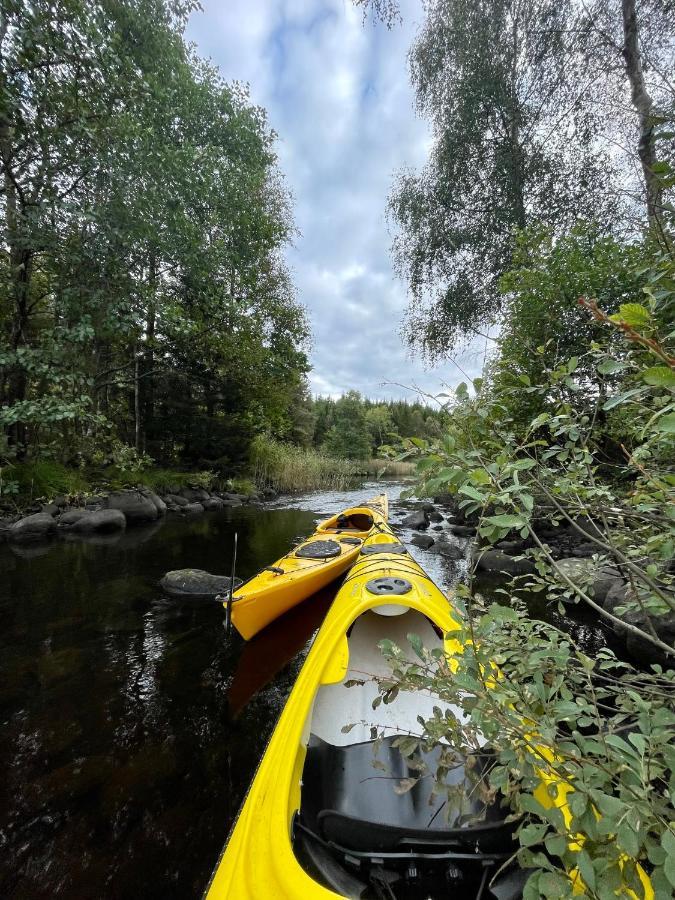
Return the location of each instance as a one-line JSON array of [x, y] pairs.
[[543, 224]]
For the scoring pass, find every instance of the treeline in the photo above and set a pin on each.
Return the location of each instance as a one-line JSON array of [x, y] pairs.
[[354, 427], [145, 307]]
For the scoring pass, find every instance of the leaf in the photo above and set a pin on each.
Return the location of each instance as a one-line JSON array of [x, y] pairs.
[[506, 520], [620, 398], [666, 424], [405, 785], [347, 728], [471, 491], [416, 644], [628, 839], [611, 367], [660, 376], [532, 834], [634, 315], [586, 869]]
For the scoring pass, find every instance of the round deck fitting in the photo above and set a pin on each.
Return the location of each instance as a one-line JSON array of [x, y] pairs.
[[388, 586]]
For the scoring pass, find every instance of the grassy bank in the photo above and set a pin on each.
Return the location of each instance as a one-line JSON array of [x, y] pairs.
[[285, 467], [24, 483]]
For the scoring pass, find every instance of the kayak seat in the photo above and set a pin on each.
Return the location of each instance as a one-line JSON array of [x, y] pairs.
[[347, 801], [319, 550], [355, 522]]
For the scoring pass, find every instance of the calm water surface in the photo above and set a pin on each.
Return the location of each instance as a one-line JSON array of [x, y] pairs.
[[131, 725]]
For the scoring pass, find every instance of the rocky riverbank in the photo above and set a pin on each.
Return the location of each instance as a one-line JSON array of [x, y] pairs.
[[571, 544], [109, 512]]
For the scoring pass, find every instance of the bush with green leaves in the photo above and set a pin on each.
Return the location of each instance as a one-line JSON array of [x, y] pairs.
[[596, 728]]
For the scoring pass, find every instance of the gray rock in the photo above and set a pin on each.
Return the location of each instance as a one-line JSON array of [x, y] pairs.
[[640, 649], [160, 505], [463, 530], [511, 546], [176, 500], [194, 494], [496, 562], [422, 540], [196, 583], [103, 520], [437, 528], [212, 504], [134, 505], [580, 571], [50, 508], [449, 550], [269, 493], [228, 495], [432, 513], [231, 502], [69, 518], [586, 549], [585, 524], [60, 500], [417, 519], [32, 528], [193, 509]]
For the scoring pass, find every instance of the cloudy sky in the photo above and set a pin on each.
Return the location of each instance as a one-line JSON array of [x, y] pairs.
[[338, 94]]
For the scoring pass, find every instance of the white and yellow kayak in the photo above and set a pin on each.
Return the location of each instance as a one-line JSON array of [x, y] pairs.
[[310, 566]]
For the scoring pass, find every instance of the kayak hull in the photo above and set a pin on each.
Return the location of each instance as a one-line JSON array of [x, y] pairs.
[[294, 578]]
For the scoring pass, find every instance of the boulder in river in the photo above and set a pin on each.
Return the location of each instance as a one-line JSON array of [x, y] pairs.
[[449, 550], [498, 563], [417, 519], [641, 650], [50, 508], [462, 530], [194, 494], [102, 520], [213, 503], [596, 580], [175, 500], [72, 516], [159, 504], [422, 540], [193, 509], [32, 528], [134, 505], [196, 583]]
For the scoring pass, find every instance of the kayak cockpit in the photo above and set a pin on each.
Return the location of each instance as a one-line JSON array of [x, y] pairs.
[[353, 832]]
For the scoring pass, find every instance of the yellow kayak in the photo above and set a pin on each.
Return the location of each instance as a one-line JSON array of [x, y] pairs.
[[310, 566], [322, 819]]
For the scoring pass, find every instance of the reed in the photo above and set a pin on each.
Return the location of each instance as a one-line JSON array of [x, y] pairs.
[[285, 467], [391, 468]]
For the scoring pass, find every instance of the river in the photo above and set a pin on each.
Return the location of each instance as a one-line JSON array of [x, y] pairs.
[[131, 724]]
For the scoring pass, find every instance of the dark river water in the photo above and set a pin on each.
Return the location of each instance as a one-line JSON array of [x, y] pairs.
[[131, 725]]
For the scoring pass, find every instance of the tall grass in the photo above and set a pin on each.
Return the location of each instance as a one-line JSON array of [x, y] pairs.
[[38, 479], [285, 467], [392, 468]]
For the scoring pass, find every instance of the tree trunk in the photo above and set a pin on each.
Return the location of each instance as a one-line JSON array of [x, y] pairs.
[[149, 361], [20, 261], [644, 107]]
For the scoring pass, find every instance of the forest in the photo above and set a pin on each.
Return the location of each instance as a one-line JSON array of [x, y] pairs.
[[145, 306]]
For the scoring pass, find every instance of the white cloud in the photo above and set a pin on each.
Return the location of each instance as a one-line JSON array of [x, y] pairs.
[[337, 91]]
